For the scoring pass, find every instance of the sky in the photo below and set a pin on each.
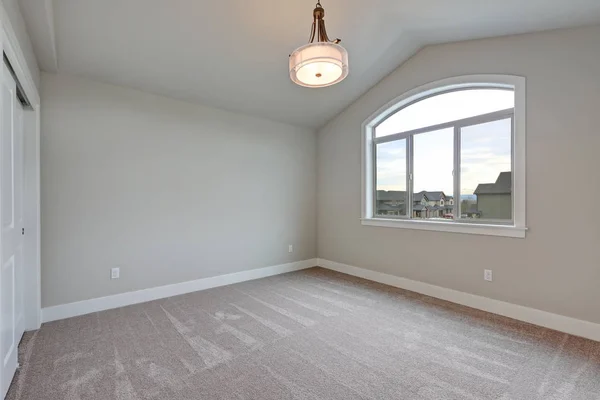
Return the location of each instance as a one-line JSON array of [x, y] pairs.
[[485, 148]]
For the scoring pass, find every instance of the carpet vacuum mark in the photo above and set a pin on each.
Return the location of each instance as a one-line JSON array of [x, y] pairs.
[[312, 334]]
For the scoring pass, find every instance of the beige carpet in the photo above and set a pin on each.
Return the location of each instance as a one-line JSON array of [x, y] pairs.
[[314, 334]]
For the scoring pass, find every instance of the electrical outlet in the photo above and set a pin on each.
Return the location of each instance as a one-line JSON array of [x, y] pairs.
[[290, 248], [115, 273], [487, 275]]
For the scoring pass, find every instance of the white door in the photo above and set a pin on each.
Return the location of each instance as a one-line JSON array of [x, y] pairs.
[[11, 225]]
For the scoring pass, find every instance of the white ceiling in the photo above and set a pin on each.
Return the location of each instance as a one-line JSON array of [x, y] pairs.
[[233, 54]]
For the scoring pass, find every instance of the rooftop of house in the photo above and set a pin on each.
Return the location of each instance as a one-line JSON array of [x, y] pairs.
[[433, 196], [391, 195], [503, 185], [419, 196]]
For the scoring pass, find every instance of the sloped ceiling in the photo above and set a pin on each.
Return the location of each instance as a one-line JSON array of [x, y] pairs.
[[233, 54]]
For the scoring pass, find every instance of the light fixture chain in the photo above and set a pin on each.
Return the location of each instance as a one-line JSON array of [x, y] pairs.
[[312, 33]]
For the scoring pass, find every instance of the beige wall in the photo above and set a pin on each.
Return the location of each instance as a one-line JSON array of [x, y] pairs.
[[557, 267], [166, 190]]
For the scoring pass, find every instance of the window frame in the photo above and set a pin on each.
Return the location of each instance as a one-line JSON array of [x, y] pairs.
[[509, 228]]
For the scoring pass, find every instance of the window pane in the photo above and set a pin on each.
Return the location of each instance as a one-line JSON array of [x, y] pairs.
[[391, 179], [486, 171], [446, 107], [433, 184]]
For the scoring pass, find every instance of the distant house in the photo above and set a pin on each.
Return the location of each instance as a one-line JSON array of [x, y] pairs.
[[494, 200], [425, 204], [437, 204], [470, 211], [391, 202], [434, 198], [420, 205]]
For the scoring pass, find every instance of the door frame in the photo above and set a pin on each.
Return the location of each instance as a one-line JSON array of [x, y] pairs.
[[32, 299]]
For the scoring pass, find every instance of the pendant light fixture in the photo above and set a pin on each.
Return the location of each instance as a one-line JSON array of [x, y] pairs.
[[322, 62]]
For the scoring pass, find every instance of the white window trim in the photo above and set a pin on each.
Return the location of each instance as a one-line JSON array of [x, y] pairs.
[[518, 228]]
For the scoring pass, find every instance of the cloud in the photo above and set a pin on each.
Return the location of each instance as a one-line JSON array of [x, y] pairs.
[[485, 152]]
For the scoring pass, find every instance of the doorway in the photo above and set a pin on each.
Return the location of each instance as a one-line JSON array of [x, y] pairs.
[[12, 224]]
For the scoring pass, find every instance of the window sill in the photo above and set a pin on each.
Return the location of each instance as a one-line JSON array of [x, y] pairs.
[[441, 226]]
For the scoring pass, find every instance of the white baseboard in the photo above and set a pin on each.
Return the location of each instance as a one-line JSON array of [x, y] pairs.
[[63, 311], [557, 322]]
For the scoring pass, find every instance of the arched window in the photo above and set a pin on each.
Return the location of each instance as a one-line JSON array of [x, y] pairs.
[[449, 156]]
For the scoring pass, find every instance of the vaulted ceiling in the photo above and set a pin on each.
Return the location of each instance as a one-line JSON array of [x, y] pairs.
[[233, 54]]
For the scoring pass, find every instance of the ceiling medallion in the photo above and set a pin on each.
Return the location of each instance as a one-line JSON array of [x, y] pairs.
[[321, 63]]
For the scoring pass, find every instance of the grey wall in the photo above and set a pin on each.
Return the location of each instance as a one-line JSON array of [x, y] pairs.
[[557, 267], [167, 191]]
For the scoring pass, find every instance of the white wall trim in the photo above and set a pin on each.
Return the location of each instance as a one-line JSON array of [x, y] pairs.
[[448, 226], [63, 311], [16, 56], [557, 322]]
